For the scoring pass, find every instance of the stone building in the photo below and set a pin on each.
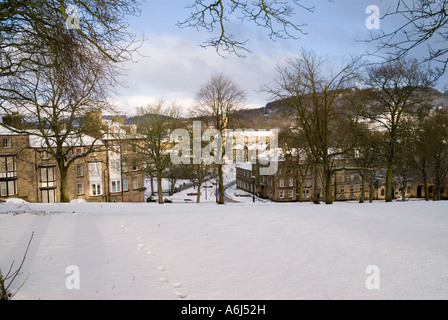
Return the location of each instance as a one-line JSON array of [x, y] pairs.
[[28, 170], [283, 186]]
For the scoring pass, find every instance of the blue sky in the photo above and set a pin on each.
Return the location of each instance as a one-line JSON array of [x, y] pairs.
[[174, 65]]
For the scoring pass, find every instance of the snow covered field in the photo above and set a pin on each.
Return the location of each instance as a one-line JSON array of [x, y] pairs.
[[236, 251]]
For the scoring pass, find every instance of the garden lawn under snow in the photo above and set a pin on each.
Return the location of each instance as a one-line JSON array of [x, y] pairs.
[[235, 251]]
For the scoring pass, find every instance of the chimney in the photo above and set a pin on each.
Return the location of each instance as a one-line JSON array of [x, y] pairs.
[[13, 120], [120, 119]]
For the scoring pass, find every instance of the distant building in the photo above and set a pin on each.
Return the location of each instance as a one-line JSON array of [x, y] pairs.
[[347, 185]]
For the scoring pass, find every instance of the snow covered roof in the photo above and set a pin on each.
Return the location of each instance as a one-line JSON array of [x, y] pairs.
[[245, 166], [37, 141], [7, 132]]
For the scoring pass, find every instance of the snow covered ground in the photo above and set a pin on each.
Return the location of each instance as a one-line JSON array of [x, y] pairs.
[[236, 251]]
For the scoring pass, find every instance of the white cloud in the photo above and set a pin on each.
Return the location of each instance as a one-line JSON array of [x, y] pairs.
[[174, 69]]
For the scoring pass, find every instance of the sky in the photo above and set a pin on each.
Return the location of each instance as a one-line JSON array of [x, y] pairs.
[[172, 65]]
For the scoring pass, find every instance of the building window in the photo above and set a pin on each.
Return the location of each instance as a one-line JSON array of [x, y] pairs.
[[282, 194], [135, 183], [8, 167], [79, 170], [282, 183], [306, 193], [45, 155], [291, 193], [48, 195], [80, 189], [6, 142], [125, 184], [291, 182], [47, 177], [382, 192], [343, 189], [115, 166], [95, 189], [78, 151], [8, 176], [352, 189], [95, 169], [134, 168], [8, 188], [115, 186]]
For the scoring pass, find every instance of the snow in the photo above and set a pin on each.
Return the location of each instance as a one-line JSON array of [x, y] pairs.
[[235, 251], [14, 200]]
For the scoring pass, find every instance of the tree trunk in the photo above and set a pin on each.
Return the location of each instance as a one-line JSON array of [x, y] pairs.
[[299, 191], [389, 176], [198, 199], [371, 188], [328, 187], [159, 187], [152, 184], [221, 185], [436, 190], [363, 188], [425, 184], [316, 190], [65, 196], [403, 191]]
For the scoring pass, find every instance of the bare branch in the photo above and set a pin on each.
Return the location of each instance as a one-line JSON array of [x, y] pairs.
[[274, 15], [12, 275]]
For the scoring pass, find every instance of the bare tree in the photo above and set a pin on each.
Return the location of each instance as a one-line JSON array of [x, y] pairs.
[[404, 172], [215, 17], [55, 101], [436, 130], [297, 158], [394, 98], [155, 122], [56, 69], [29, 29], [423, 22], [216, 102], [317, 102]]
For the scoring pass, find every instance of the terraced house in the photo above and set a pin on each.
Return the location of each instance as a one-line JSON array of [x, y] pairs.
[[286, 185], [106, 174]]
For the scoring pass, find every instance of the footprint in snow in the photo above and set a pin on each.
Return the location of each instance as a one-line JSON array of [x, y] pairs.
[[176, 285], [163, 280], [181, 295], [150, 253], [140, 246], [161, 268]]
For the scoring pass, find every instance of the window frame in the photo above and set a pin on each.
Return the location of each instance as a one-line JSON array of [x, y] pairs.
[[79, 170], [8, 143], [82, 188], [94, 189], [115, 186], [281, 194]]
